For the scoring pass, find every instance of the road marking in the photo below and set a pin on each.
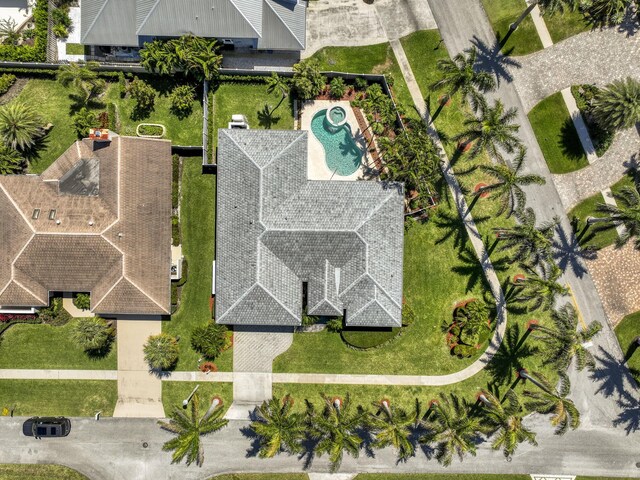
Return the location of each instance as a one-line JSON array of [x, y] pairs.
[[575, 305]]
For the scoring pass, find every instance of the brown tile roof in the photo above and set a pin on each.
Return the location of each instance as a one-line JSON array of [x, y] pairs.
[[110, 236]]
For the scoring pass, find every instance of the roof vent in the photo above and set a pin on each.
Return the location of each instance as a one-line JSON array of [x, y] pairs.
[[36, 213], [57, 222], [91, 223], [52, 214]]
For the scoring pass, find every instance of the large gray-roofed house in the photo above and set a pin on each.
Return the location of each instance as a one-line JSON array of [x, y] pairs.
[[276, 230], [260, 24], [97, 220]]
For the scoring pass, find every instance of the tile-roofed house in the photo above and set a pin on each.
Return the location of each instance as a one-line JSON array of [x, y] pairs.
[[260, 24], [276, 230], [97, 220]]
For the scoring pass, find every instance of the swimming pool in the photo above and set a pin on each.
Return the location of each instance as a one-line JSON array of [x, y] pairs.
[[341, 152]]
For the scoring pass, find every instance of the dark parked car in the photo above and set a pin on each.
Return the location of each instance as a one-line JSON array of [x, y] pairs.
[[39, 427]]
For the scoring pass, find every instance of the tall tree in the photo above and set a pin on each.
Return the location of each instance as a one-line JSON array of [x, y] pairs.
[[460, 75], [504, 422], [20, 125], [278, 427], [307, 81], [553, 400], [540, 288], [392, 426], [189, 429], [508, 184], [452, 428], [527, 242], [617, 106], [11, 162], [604, 13], [336, 428], [491, 130], [83, 78], [563, 342], [626, 213]]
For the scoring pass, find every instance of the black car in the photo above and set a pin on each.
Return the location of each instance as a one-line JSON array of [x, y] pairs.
[[39, 427]]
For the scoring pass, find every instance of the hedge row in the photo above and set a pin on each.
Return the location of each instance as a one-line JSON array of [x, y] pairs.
[[38, 51]]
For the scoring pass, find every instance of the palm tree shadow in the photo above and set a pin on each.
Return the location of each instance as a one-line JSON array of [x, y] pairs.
[[32, 153], [630, 415], [367, 442], [569, 141], [631, 23], [309, 453], [453, 228], [266, 119], [472, 269], [491, 59], [613, 375], [510, 356], [254, 448], [568, 253]]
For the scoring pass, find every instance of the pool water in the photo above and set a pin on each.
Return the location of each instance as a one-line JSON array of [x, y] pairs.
[[337, 114], [341, 152]]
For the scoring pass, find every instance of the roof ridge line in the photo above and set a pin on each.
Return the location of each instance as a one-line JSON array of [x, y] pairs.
[[124, 275], [285, 23], [29, 291], [6, 286], [277, 301], [287, 147], [115, 284], [15, 205], [242, 150], [95, 19], [375, 210], [362, 308], [240, 298], [146, 17], [232, 2]]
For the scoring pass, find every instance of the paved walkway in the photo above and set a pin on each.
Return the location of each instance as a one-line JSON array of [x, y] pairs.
[[139, 391]]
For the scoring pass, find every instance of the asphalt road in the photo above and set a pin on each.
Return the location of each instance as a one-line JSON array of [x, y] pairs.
[[112, 449]]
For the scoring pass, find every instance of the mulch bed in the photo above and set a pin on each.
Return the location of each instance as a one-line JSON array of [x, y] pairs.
[[13, 91]]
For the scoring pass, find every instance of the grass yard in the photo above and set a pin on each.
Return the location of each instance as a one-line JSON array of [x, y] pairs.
[[430, 288], [198, 239], [626, 331], [12, 471], [503, 13], [71, 398], [174, 392], [181, 131], [42, 346], [378, 59], [587, 208], [253, 101], [261, 476], [562, 26], [557, 136], [77, 49], [423, 49]]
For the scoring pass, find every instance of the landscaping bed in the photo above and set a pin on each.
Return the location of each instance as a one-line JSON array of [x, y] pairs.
[[71, 398], [557, 135], [365, 339]]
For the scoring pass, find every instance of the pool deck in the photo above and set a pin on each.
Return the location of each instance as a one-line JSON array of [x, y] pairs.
[[317, 168]]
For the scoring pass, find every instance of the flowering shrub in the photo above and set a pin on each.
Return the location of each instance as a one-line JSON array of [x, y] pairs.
[[12, 317]]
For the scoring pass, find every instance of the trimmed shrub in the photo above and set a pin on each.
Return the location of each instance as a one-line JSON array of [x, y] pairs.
[[161, 351], [174, 293], [335, 325], [337, 87], [210, 340], [185, 273], [463, 351], [182, 98], [308, 320], [82, 301], [365, 339], [361, 83], [55, 314], [6, 80], [144, 96], [93, 335], [175, 184], [150, 130], [8, 319], [175, 230], [307, 81], [83, 121]]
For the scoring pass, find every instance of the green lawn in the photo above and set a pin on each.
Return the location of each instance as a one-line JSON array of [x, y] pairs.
[[423, 50], [198, 238], [377, 58], [174, 392], [11, 471], [252, 100], [71, 398], [47, 347], [626, 331], [587, 208], [557, 136], [562, 26], [77, 49], [181, 131], [503, 13], [430, 288]]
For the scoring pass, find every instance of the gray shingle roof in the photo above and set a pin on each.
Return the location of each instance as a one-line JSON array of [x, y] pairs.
[[276, 229], [114, 243], [276, 24]]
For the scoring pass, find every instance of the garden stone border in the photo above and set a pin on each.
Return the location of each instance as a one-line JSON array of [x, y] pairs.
[[164, 130]]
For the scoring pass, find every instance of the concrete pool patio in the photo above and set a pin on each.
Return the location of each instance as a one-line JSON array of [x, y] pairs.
[[317, 168]]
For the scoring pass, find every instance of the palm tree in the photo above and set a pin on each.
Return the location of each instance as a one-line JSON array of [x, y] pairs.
[[275, 83], [83, 78], [161, 351], [336, 428], [603, 13], [551, 400], [201, 59], [508, 184], [11, 162], [541, 289], [491, 130], [451, 426], [189, 429], [392, 426], [278, 427], [158, 57], [546, 7], [532, 244], [617, 106], [459, 75], [20, 125], [563, 342], [505, 421], [626, 214]]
